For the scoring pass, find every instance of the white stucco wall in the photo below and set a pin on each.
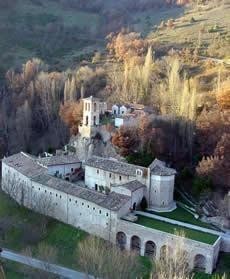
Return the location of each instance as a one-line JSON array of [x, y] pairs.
[[103, 178], [119, 122]]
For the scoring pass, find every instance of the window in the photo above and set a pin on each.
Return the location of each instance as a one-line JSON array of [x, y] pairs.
[[56, 195], [96, 187], [97, 171], [45, 191], [120, 177], [39, 189], [70, 200], [82, 203], [139, 172], [71, 169], [107, 214], [50, 193], [95, 107], [94, 208], [76, 201], [110, 175], [88, 206], [60, 196], [99, 211]]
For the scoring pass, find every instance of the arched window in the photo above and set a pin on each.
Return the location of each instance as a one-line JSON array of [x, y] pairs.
[[121, 240], [136, 244], [86, 120], [150, 249], [200, 262]]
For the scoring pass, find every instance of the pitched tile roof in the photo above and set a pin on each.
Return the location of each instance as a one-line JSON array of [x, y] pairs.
[[113, 166], [25, 164], [133, 185], [58, 160], [158, 167], [113, 201], [28, 166]]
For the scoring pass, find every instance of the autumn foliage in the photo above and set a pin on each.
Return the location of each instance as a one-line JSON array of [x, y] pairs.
[[71, 114], [223, 95], [126, 45]]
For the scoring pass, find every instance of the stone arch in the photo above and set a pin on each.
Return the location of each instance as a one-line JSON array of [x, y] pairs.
[[121, 240], [199, 262], [165, 251], [135, 244], [150, 249]]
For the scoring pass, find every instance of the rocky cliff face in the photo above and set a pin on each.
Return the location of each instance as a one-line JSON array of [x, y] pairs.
[[100, 145]]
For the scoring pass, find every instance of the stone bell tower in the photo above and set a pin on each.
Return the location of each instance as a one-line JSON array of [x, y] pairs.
[[91, 117]]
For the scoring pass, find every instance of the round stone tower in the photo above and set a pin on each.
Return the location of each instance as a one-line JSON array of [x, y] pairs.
[[161, 187]]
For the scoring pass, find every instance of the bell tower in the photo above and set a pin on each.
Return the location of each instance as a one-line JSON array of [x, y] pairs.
[[91, 117]]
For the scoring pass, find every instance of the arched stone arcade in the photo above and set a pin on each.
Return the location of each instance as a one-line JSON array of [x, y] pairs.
[[150, 249], [199, 262], [135, 244], [121, 240], [165, 251]]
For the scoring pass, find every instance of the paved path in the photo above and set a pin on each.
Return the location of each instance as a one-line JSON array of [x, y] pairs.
[[63, 272]]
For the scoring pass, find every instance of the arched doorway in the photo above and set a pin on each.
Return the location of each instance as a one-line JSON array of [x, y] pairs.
[[165, 252], [150, 249], [199, 262], [121, 240], [134, 206], [136, 244]]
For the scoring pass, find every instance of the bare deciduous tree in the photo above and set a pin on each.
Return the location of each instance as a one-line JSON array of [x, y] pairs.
[[103, 260]]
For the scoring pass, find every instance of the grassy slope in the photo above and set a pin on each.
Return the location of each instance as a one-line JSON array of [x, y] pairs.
[[61, 236], [186, 33]]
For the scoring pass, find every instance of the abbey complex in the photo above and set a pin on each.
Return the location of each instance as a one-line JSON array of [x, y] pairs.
[[112, 199]]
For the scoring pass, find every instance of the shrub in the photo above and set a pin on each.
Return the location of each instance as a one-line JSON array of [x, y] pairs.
[[201, 185]]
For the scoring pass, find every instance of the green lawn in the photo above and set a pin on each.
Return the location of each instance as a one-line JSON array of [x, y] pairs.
[[173, 229], [180, 214]]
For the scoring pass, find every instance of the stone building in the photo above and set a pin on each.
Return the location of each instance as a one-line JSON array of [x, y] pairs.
[[103, 203], [102, 173], [92, 109]]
